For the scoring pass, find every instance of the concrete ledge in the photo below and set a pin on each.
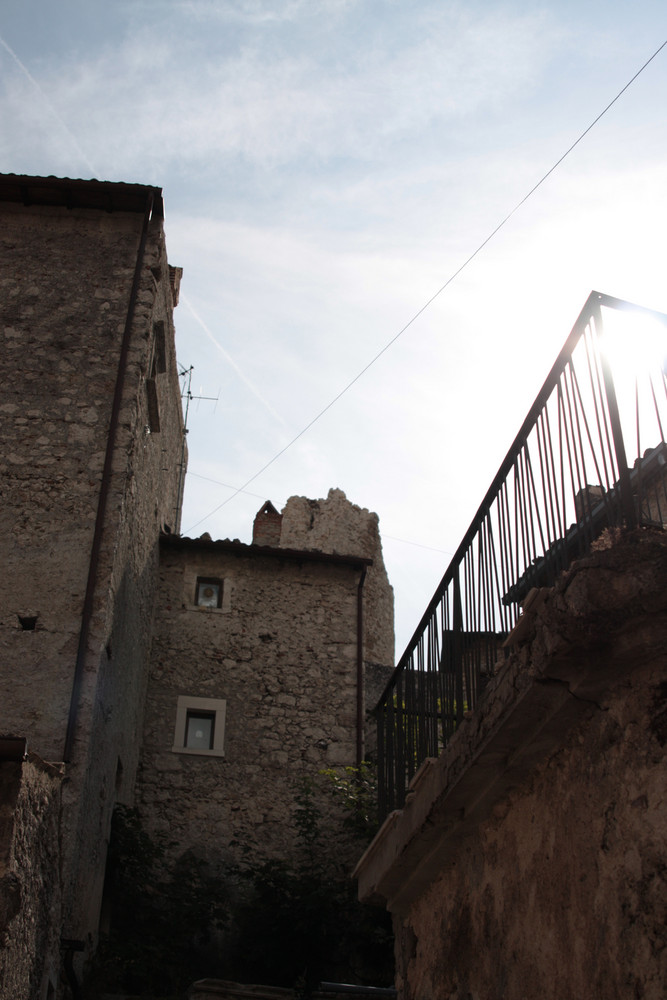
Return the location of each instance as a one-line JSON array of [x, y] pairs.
[[570, 646]]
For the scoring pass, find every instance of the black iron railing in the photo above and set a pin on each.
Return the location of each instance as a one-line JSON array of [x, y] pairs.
[[575, 468]]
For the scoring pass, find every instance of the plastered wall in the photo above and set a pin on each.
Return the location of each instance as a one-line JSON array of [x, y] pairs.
[[555, 884]]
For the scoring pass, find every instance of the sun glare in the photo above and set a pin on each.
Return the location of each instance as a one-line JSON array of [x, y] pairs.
[[636, 348], [635, 345]]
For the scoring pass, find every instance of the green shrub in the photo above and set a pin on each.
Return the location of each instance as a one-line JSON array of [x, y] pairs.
[[278, 922]]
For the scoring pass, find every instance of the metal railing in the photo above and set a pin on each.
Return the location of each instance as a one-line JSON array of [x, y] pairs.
[[575, 468]]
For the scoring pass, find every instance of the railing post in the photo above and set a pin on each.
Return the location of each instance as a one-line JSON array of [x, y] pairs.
[[457, 647], [627, 501], [382, 760], [571, 442]]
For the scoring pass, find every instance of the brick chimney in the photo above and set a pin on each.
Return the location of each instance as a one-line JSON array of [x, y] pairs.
[[267, 526]]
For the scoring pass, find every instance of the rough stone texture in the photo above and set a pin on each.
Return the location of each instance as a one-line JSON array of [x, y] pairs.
[[64, 292], [64, 296], [282, 652], [338, 526], [652, 495], [148, 471], [30, 889], [530, 860], [282, 649]]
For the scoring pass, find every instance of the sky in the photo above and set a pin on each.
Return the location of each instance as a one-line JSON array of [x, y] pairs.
[[327, 167]]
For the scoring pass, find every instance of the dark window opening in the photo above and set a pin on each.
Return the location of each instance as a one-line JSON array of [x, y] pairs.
[[160, 353], [199, 730], [28, 622], [153, 406]]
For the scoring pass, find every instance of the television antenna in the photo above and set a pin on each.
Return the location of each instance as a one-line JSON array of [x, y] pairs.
[[188, 396]]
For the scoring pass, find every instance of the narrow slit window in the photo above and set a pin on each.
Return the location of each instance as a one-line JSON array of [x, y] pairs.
[[153, 406], [160, 354]]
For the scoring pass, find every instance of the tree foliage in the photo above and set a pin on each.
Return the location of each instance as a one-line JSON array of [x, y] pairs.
[[281, 922], [165, 918], [302, 922]]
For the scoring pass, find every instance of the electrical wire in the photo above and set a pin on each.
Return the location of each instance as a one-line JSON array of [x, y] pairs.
[[385, 536], [442, 288], [227, 486]]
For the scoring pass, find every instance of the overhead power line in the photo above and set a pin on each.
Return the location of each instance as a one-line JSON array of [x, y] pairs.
[[442, 288], [259, 496]]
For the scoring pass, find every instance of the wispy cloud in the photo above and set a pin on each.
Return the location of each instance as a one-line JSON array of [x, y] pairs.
[[326, 166], [46, 103], [255, 13], [277, 105], [230, 361]]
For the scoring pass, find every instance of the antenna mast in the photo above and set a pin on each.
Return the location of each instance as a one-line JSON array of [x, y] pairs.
[[187, 395]]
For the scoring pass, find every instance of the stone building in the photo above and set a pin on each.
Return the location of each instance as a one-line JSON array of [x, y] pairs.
[[279, 645], [92, 445], [265, 658]]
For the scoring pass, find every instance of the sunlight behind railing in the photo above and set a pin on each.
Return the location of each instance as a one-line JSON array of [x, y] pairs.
[[575, 468]]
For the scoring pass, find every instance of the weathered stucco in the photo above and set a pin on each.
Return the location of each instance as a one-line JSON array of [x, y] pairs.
[[530, 860]]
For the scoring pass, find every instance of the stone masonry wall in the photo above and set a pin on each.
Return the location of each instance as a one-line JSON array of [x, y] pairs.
[[64, 286], [547, 877], [144, 499], [64, 294], [336, 525], [30, 887], [281, 651]]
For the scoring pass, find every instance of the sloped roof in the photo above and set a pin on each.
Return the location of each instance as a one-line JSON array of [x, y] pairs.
[[277, 552], [65, 192]]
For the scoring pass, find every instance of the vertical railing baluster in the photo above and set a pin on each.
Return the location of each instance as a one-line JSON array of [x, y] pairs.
[[520, 538], [627, 503]]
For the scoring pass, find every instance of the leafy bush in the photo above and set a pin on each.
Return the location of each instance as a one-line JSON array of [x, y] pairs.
[[356, 789], [302, 922], [278, 922], [164, 918]]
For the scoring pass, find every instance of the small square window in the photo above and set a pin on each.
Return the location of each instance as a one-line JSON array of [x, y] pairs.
[[208, 593], [200, 726], [199, 730]]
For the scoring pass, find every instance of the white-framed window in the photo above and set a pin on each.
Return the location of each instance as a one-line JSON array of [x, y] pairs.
[[208, 592], [200, 726]]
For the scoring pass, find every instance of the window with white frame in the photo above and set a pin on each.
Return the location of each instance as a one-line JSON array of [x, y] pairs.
[[200, 726], [208, 592]]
